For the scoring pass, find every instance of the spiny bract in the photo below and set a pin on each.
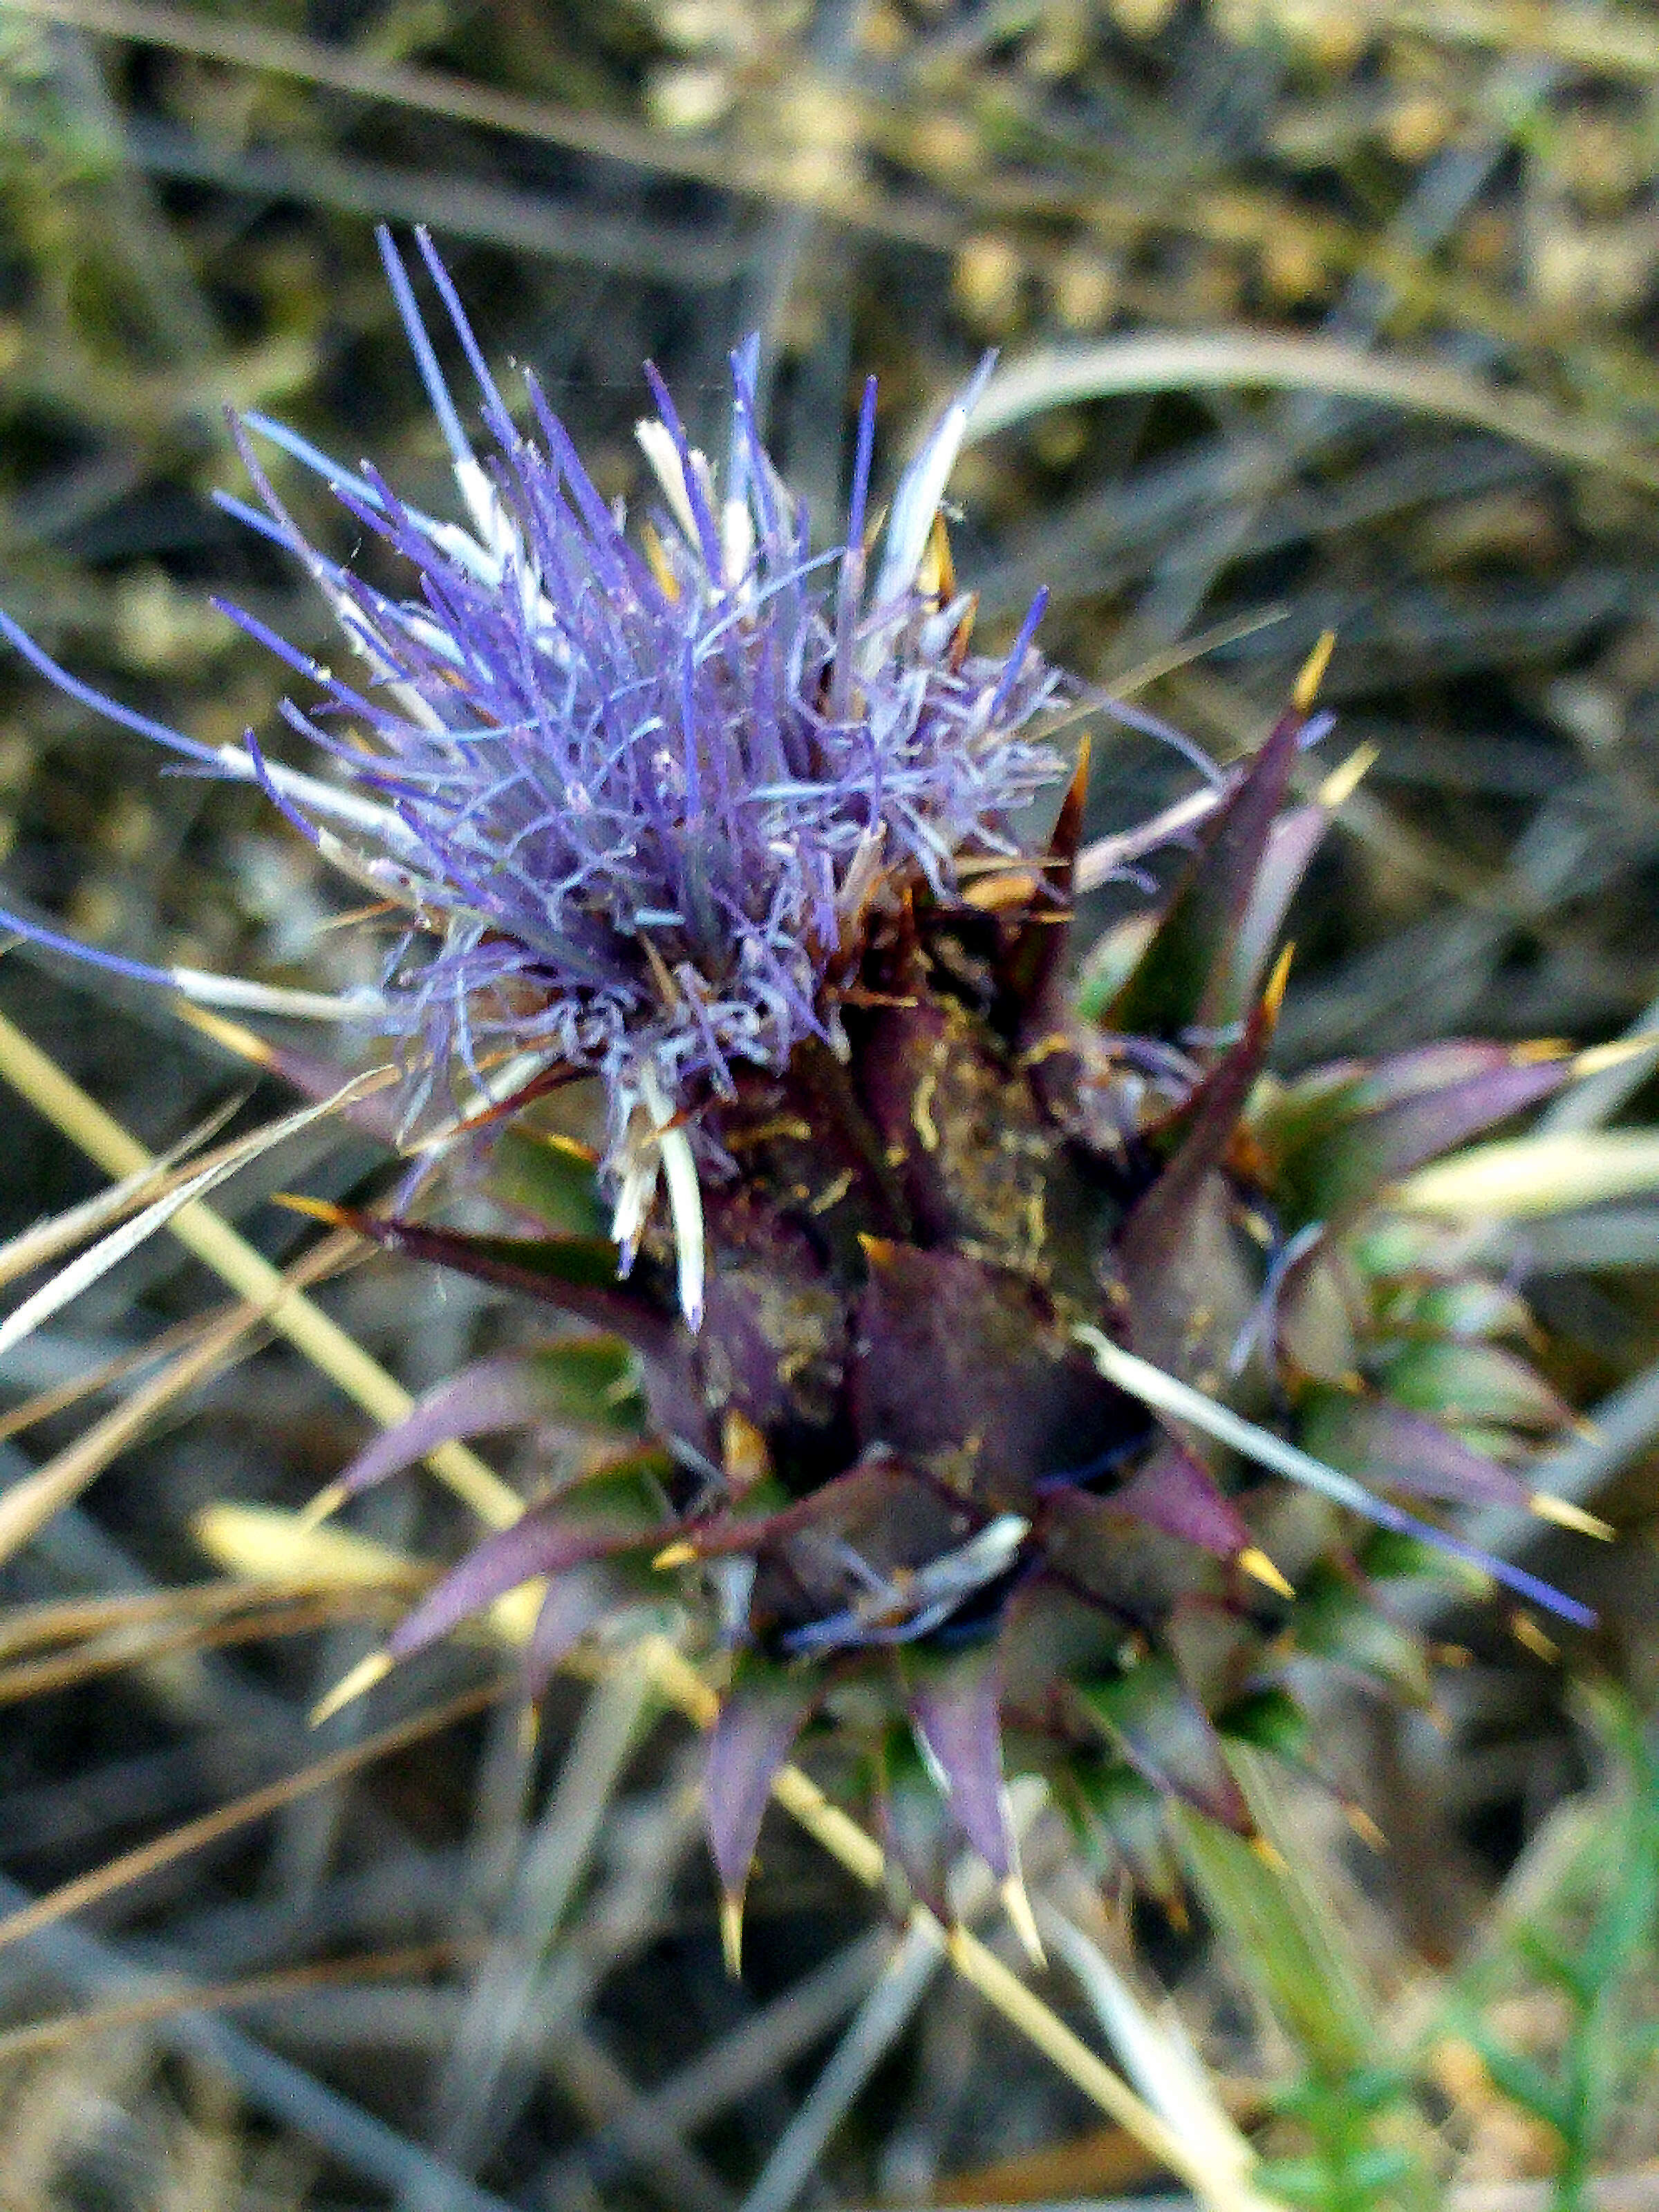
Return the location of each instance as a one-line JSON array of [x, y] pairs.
[[962, 1382]]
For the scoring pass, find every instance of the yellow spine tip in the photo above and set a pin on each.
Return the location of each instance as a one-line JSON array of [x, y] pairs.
[[1615, 1055], [732, 1932], [657, 556], [1531, 1638], [231, 1034], [1017, 1903], [1268, 1853], [322, 1506], [679, 1554], [316, 1209], [1305, 689], [361, 1678], [1565, 1515], [1342, 783], [1274, 997], [1364, 1827], [1260, 1569]]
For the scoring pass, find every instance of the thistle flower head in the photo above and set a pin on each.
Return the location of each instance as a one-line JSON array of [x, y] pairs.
[[634, 785], [1007, 1333]]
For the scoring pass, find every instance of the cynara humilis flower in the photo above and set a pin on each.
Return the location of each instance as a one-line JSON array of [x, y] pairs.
[[631, 792], [1015, 1372]]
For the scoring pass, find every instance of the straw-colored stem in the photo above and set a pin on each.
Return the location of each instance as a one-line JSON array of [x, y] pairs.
[[214, 1242]]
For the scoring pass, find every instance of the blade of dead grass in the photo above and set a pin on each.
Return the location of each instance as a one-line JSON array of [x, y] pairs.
[[35, 1246], [39, 2037], [339, 1357], [92, 1264], [146, 1858], [29, 1504], [294, 1614], [1245, 360], [74, 1620], [1553, 1172], [203, 1232]]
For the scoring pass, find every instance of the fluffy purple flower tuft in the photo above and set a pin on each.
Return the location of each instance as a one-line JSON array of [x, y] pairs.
[[629, 792], [634, 789]]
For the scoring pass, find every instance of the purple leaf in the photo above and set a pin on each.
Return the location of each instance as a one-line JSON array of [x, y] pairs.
[[1205, 1123], [575, 1602], [1166, 1249], [1383, 1441], [1380, 1147], [918, 1830], [507, 1392], [1166, 1735], [955, 1713], [754, 1735], [1343, 1134], [1296, 837], [542, 1542], [1175, 1493], [576, 1274], [1181, 977]]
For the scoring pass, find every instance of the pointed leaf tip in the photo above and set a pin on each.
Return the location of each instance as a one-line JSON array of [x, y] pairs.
[[753, 1734], [1017, 1903], [1344, 781], [732, 1932], [323, 1507], [957, 1720], [1305, 689], [1273, 999], [1565, 1515], [1259, 1568], [352, 1684]]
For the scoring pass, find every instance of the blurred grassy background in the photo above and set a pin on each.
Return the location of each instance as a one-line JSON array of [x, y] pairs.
[[513, 1953]]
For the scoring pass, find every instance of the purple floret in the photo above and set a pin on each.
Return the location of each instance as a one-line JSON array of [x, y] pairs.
[[625, 782]]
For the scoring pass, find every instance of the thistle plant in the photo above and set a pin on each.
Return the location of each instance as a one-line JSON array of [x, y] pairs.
[[998, 1367]]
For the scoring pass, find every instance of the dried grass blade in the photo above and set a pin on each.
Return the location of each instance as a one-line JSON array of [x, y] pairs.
[[322, 1340], [132, 1866], [82, 1274], [295, 1613], [29, 1504], [36, 1628], [1553, 1172], [33, 1248], [41, 2036], [1242, 360]]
